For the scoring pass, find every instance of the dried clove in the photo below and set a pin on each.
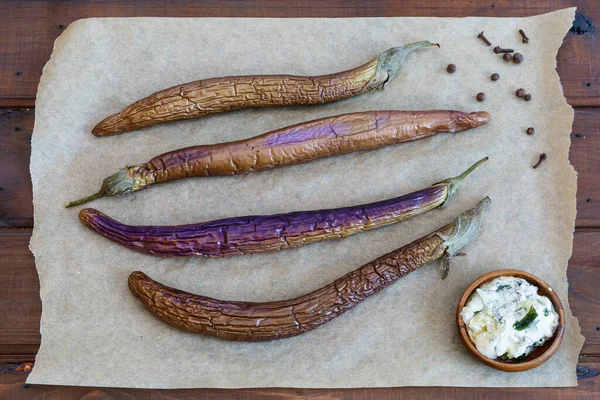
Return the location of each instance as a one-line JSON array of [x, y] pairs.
[[507, 57], [517, 58], [524, 36], [498, 49], [482, 37], [543, 156], [480, 96], [520, 92], [451, 68], [495, 77], [530, 131]]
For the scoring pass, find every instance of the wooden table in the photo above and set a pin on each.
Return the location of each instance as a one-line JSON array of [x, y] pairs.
[[27, 31]]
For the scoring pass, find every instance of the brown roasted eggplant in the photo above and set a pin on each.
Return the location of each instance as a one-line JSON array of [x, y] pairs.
[[292, 145], [217, 95]]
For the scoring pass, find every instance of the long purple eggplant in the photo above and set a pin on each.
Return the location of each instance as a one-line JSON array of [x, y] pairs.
[[264, 233]]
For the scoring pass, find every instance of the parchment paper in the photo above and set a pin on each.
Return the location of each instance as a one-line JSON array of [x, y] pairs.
[[94, 332]]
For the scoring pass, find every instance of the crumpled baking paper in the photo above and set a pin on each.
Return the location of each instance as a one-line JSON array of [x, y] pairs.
[[96, 333]]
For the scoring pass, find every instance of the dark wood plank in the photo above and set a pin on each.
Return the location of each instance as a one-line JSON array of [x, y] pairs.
[[28, 29], [585, 157], [16, 201], [17, 358], [584, 279], [17, 103], [12, 387], [16, 208], [21, 306]]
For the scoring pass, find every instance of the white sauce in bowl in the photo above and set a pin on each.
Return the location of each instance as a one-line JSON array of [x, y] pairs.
[[507, 319]]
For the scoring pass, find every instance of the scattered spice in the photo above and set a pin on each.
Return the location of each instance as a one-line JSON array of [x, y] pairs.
[[524, 36], [480, 96], [543, 156], [517, 58], [527, 97], [482, 37], [498, 49], [451, 68], [530, 131], [507, 57], [495, 77], [520, 92]]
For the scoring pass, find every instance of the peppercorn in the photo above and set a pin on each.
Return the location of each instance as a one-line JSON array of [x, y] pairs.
[[495, 77], [527, 97], [451, 68], [530, 131], [507, 57], [480, 96], [517, 58], [520, 92]]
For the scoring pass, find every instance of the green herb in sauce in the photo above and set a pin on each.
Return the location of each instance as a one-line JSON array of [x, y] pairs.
[[527, 320], [497, 309]]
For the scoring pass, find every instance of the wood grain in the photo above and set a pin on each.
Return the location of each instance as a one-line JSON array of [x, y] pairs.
[[11, 386], [28, 29], [16, 201], [584, 155], [27, 32], [16, 209], [20, 305]]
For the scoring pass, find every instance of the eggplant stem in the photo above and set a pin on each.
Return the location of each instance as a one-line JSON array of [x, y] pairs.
[[79, 202], [445, 266], [390, 61], [466, 226], [472, 168], [453, 183], [120, 183]]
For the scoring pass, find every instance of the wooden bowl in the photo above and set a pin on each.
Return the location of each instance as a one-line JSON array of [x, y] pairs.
[[540, 354]]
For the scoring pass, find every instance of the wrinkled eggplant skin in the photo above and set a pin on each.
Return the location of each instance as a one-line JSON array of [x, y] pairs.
[[258, 234], [305, 142], [217, 95], [262, 321], [255, 322], [292, 145]]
